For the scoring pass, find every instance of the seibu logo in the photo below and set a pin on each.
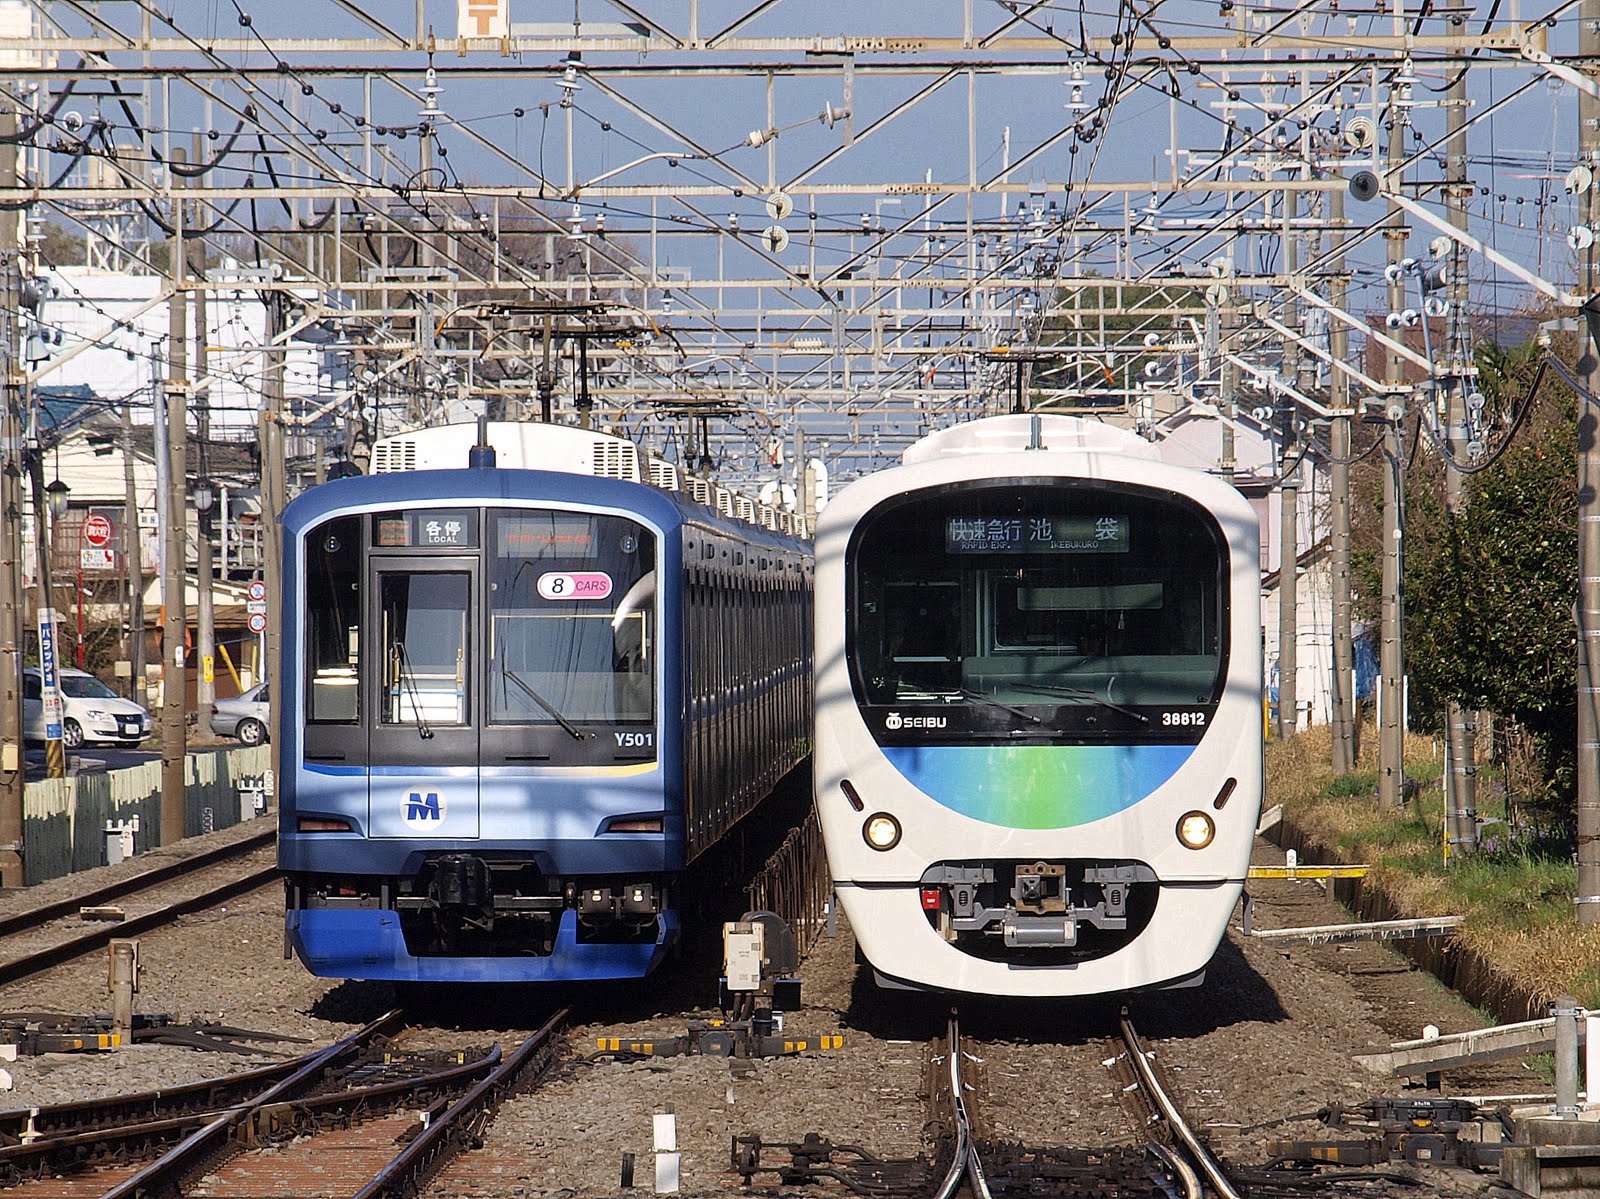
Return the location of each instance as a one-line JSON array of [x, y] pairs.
[[896, 721]]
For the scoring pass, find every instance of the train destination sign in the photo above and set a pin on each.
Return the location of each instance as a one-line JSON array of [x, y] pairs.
[[546, 535], [1036, 535]]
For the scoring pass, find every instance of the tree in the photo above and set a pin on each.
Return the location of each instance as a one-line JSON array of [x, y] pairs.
[[1489, 591]]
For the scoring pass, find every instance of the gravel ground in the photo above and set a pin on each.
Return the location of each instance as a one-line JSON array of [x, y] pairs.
[[1271, 1034]]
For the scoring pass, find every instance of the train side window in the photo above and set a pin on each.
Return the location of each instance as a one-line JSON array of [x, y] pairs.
[[333, 622]]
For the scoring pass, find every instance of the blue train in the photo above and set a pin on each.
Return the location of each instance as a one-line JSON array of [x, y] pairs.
[[518, 704]]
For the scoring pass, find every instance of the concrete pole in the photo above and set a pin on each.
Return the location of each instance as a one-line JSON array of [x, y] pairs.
[[174, 729], [13, 761], [1588, 897], [1339, 443], [1288, 597], [132, 561], [1462, 723], [55, 758], [124, 982], [205, 615], [1566, 1012], [1289, 507], [272, 500], [1391, 708]]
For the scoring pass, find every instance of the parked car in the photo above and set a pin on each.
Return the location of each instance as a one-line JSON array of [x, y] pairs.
[[246, 717], [90, 711]]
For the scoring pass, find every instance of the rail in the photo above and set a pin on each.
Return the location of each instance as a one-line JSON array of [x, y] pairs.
[[966, 1162], [149, 1126], [1162, 1105], [99, 937], [195, 1152], [34, 917], [459, 1124]]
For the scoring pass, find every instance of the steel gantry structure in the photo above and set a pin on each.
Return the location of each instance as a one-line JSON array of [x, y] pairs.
[[749, 241]]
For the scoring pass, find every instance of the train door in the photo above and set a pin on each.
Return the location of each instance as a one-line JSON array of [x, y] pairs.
[[423, 720]]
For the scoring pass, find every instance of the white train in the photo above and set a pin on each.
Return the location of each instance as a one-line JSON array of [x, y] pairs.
[[1038, 710]]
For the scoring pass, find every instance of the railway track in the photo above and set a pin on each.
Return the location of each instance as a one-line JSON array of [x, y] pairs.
[[361, 1093], [1169, 1160], [22, 955]]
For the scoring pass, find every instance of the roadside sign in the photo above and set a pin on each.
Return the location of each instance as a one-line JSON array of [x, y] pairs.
[[258, 591], [97, 531], [258, 623], [90, 558], [256, 607], [48, 674]]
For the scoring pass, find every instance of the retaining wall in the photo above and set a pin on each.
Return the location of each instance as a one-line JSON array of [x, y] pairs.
[[63, 820]]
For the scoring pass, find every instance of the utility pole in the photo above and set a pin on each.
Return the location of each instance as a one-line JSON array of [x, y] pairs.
[[1462, 812], [133, 560], [1345, 729], [1288, 504], [1588, 897], [55, 757], [1391, 700], [13, 761], [174, 730], [206, 638], [272, 501]]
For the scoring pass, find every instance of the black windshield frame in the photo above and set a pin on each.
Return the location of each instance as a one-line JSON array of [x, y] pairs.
[[959, 640]]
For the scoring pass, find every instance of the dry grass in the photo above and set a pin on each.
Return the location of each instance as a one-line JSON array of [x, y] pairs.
[[1518, 908]]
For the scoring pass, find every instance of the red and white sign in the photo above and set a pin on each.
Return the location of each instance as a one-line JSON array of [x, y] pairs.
[[258, 590], [97, 531], [90, 558], [258, 623], [575, 585]]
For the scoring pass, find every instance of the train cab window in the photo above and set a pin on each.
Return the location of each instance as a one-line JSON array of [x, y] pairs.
[[1038, 606], [333, 622], [426, 616], [572, 619]]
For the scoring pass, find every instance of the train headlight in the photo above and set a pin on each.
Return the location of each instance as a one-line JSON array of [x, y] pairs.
[[881, 830], [1195, 829]]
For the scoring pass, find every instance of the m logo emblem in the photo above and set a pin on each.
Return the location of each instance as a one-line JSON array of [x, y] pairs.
[[424, 807]]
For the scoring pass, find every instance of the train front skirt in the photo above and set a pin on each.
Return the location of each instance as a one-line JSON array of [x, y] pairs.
[[367, 943]]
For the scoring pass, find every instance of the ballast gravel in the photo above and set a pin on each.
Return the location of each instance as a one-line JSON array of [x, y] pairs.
[[1270, 1035]]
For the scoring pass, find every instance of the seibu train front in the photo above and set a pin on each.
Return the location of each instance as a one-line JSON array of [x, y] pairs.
[[518, 705], [1038, 759]]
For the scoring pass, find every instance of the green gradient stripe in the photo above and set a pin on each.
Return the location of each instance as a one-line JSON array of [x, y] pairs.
[[1037, 786]]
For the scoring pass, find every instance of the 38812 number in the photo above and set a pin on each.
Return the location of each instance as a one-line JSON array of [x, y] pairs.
[[1183, 719]]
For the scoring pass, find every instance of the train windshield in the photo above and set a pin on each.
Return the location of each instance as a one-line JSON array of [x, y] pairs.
[[571, 618], [1042, 607]]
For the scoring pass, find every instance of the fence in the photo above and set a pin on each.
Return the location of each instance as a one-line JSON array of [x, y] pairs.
[[794, 883], [64, 820]]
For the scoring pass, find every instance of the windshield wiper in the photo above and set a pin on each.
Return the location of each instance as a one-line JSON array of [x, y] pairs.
[[984, 697], [1084, 693], [576, 733], [407, 678]]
